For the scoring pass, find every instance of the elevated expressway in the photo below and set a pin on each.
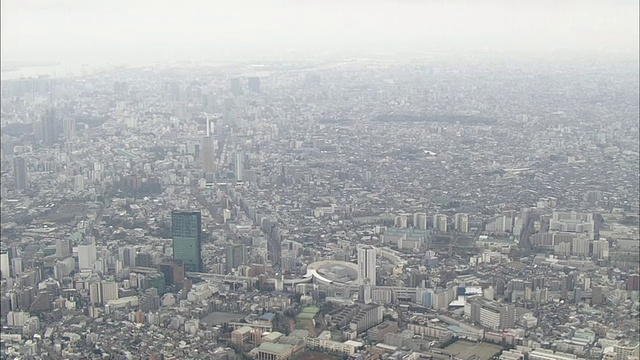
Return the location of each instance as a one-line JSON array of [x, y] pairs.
[[314, 272]]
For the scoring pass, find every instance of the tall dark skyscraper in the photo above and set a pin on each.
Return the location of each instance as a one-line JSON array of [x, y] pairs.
[[253, 83], [236, 256], [236, 87], [186, 230], [20, 173]]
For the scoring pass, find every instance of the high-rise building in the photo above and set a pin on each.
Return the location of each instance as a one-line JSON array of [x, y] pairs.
[[580, 246], [63, 248], [173, 272], [16, 266], [20, 173], [601, 249], [401, 221], [236, 256], [497, 316], [462, 222], [87, 256], [127, 255], [366, 265], [633, 282], [254, 84], [420, 221], [103, 292], [440, 222], [186, 230], [5, 265], [236, 87], [274, 242], [49, 128], [239, 166], [207, 155], [69, 127]]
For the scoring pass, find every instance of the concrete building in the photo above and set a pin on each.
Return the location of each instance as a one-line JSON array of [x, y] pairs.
[[366, 265], [236, 255], [440, 222], [239, 163], [5, 265], [271, 351], [369, 315], [87, 256], [626, 348], [461, 222], [186, 229], [542, 354], [324, 343]]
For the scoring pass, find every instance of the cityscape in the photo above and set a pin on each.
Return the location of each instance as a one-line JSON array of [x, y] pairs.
[[226, 213], [449, 205]]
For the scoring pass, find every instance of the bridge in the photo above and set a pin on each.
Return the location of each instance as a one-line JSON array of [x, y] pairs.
[[239, 279]]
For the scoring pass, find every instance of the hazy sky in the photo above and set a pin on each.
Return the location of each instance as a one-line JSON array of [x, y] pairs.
[[99, 31]]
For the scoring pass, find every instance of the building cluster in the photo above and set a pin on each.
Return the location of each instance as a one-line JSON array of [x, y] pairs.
[[362, 210]]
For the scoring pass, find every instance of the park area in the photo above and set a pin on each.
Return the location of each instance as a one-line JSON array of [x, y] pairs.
[[469, 350]]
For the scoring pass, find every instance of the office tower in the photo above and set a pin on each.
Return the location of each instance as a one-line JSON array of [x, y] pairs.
[[239, 166], [49, 128], [236, 87], [173, 272], [207, 155], [254, 84], [440, 222], [103, 292], [186, 230], [20, 173], [87, 256], [274, 243], [63, 248], [127, 255], [5, 265], [366, 265], [144, 259], [462, 222], [236, 256], [69, 127], [633, 282]]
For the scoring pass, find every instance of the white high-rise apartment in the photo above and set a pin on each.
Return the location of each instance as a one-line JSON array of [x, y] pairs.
[[366, 265], [462, 222], [5, 265], [440, 222]]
